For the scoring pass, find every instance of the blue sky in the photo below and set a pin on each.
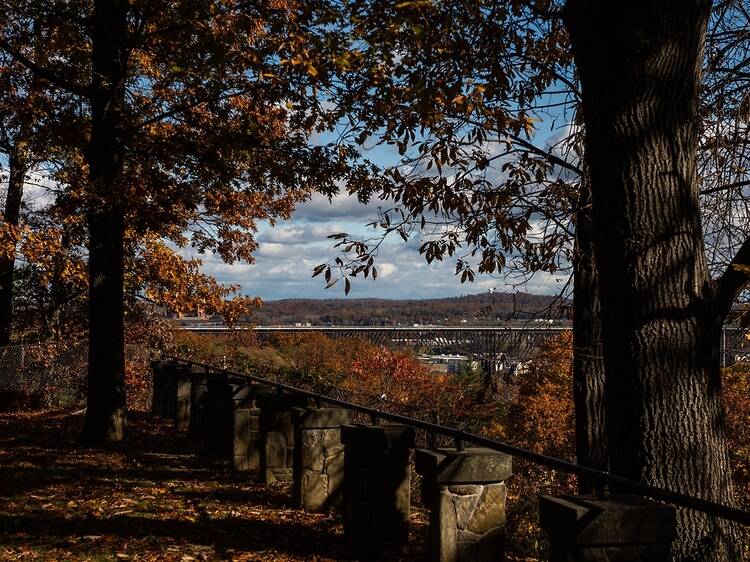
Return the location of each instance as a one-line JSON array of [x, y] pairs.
[[288, 253]]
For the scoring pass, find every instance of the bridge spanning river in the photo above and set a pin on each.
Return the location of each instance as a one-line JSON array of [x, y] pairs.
[[494, 347]]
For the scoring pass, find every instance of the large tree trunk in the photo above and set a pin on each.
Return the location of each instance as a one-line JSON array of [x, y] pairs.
[[639, 67], [588, 363], [105, 413], [18, 164]]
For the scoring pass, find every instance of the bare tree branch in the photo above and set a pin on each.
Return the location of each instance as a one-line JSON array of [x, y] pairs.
[[733, 280], [45, 73], [545, 154], [726, 186]]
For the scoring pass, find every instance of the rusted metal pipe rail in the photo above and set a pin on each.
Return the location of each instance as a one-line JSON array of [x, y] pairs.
[[599, 476]]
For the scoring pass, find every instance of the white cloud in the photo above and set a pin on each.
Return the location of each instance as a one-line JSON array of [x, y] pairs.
[[286, 272], [298, 233], [341, 207], [288, 253], [38, 189], [270, 249], [386, 269]]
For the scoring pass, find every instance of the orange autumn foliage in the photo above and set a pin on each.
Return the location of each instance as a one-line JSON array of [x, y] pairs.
[[218, 103], [316, 358], [737, 407], [539, 417], [178, 284], [540, 413], [397, 376], [351, 364]]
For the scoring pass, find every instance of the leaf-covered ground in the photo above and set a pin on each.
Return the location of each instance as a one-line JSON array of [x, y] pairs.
[[150, 498]]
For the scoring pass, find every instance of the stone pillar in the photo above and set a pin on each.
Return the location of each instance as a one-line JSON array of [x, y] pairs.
[[318, 457], [377, 485], [183, 385], [614, 528], [161, 370], [277, 434], [198, 429], [169, 399], [220, 413], [465, 491], [246, 436]]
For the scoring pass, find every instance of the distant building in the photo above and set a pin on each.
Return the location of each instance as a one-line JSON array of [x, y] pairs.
[[447, 363]]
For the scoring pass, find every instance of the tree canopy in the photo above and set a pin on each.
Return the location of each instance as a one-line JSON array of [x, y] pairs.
[[607, 139], [639, 194], [191, 123]]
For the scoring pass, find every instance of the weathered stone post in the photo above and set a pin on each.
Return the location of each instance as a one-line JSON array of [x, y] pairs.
[[613, 528], [168, 390], [161, 369], [277, 434], [184, 375], [318, 457], [465, 491], [246, 437], [377, 485], [198, 429], [220, 413]]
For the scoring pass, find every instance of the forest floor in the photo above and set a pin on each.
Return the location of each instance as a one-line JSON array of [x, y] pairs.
[[152, 497]]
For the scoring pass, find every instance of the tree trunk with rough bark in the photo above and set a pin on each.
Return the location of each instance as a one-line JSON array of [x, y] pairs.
[[105, 413], [588, 364], [18, 165], [639, 64]]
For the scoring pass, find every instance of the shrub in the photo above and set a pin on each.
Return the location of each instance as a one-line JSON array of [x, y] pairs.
[[262, 361], [314, 357], [736, 381], [539, 417], [398, 376], [737, 405]]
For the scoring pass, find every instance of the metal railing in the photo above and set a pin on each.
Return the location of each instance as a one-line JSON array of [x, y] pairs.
[[601, 478]]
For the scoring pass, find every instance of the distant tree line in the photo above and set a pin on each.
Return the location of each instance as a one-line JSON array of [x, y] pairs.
[[486, 309]]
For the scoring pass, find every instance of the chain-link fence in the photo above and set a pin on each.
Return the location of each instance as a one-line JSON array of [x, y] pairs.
[[735, 346], [43, 375], [53, 375]]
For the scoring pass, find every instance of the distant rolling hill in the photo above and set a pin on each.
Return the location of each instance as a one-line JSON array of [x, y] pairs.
[[486, 309]]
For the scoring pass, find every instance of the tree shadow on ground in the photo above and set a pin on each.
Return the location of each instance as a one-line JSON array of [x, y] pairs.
[[152, 497], [224, 535]]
